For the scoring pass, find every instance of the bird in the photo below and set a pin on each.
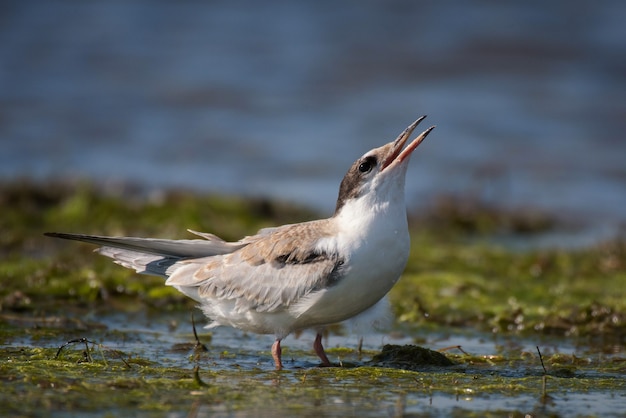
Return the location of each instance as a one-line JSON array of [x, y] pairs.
[[297, 276]]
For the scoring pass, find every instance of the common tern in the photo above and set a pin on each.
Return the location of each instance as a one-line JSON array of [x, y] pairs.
[[296, 276]]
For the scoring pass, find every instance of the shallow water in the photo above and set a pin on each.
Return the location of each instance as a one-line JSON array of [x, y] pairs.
[[155, 337], [153, 331], [275, 99]]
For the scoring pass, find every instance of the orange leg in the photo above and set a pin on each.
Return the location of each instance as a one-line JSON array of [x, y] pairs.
[[319, 350], [276, 353]]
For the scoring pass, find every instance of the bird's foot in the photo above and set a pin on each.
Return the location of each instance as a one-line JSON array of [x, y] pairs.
[[276, 354], [319, 350]]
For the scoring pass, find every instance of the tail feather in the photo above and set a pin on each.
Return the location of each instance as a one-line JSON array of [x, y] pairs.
[[152, 264], [150, 255], [184, 248]]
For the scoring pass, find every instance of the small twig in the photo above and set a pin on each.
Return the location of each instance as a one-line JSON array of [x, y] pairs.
[[199, 346], [119, 356], [544, 378], [74, 341], [452, 347], [87, 352], [196, 377], [541, 359]]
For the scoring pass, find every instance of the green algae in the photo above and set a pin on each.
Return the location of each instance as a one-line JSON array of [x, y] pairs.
[[455, 281], [33, 379], [577, 292]]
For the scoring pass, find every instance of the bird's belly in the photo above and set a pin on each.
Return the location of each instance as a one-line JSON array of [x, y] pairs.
[[279, 323], [363, 286]]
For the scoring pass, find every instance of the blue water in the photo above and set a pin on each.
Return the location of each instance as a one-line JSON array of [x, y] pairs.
[[278, 98]]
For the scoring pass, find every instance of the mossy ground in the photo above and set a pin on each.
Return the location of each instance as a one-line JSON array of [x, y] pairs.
[[457, 281]]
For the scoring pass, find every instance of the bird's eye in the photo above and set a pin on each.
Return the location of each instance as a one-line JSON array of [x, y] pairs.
[[367, 164]]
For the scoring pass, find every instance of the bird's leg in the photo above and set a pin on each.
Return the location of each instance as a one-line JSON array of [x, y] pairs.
[[276, 353], [319, 350]]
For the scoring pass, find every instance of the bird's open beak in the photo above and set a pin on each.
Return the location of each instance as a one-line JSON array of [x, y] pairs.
[[396, 153]]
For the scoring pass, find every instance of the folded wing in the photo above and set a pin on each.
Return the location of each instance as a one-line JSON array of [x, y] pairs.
[[272, 272]]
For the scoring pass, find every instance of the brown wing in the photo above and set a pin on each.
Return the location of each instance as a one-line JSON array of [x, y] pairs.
[[272, 271]]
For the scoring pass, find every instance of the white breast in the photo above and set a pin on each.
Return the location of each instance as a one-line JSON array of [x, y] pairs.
[[375, 246]]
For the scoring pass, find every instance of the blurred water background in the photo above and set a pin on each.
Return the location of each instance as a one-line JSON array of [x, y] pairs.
[[277, 98]]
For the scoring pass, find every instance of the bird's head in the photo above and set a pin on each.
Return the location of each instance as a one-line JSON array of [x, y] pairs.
[[378, 176]]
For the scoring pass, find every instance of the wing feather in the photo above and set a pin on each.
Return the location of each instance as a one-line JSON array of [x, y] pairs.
[[182, 248], [272, 272]]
